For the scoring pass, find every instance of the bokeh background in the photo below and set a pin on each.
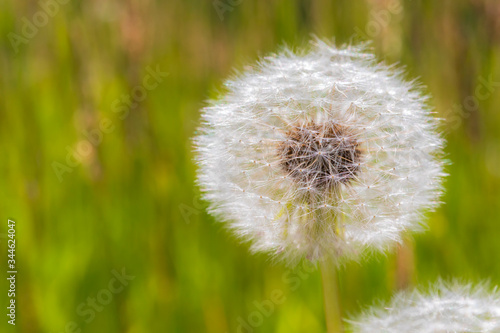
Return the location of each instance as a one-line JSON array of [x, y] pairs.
[[129, 200]]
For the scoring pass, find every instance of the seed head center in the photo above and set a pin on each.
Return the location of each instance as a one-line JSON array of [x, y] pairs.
[[320, 156]]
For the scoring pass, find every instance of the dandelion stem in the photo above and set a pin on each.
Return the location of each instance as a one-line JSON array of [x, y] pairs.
[[331, 296], [404, 265]]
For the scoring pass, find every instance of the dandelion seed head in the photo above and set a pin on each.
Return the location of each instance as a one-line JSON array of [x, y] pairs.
[[318, 153], [450, 307]]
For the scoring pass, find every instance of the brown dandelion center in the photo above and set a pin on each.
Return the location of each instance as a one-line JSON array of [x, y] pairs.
[[320, 156]]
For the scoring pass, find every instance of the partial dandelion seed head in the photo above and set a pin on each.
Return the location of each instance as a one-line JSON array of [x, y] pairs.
[[323, 152], [451, 307]]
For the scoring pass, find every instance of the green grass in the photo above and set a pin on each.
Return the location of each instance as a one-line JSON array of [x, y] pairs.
[[126, 204]]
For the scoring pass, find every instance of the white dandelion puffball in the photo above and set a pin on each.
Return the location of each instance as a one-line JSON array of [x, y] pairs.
[[449, 307], [321, 153]]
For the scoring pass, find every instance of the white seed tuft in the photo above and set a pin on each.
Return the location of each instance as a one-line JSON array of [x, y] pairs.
[[320, 153], [448, 307]]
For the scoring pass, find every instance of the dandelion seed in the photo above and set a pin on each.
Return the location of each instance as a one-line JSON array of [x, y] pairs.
[[449, 307], [340, 154]]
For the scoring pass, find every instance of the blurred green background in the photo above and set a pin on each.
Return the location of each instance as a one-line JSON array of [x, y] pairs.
[[129, 200]]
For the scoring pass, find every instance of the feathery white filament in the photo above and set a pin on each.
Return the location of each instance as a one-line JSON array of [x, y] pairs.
[[449, 307], [321, 153]]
